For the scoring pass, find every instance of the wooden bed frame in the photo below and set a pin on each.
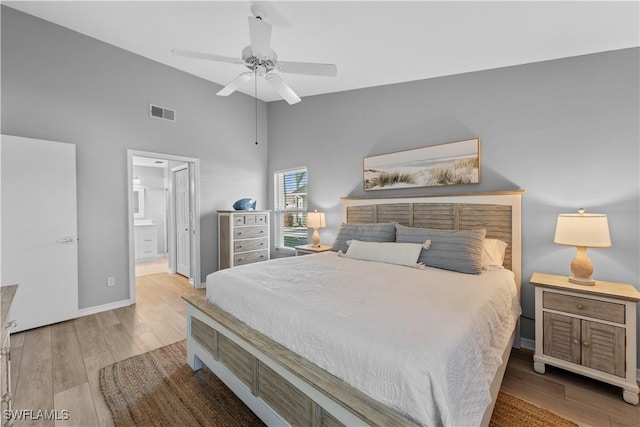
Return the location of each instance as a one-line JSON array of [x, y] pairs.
[[284, 388]]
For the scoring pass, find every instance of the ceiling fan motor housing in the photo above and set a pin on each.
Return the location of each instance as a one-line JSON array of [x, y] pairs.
[[252, 61]]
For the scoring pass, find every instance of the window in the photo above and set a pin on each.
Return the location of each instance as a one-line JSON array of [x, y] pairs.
[[290, 207]]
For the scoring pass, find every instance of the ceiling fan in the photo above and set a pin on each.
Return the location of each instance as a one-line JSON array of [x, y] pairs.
[[263, 61]]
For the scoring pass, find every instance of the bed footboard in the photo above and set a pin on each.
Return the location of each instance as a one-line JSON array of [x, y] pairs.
[[277, 384]]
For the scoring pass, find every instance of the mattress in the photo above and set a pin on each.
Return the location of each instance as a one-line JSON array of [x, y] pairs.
[[425, 342]]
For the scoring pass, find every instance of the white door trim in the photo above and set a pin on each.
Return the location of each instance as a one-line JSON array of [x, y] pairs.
[[195, 253]]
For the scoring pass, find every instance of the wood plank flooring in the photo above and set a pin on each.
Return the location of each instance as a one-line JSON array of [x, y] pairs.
[[56, 366]]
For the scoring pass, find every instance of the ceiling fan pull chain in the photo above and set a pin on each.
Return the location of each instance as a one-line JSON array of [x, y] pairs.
[[255, 99]]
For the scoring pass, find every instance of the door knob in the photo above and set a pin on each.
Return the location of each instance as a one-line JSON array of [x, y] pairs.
[[67, 240]]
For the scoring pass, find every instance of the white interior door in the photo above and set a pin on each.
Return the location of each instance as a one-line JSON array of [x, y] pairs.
[[183, 223], [39, 229]]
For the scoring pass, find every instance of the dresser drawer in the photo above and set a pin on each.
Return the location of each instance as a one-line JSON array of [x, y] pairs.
[[250, 245], [602, 310], [250, 232], [250, 257], [250, 219]]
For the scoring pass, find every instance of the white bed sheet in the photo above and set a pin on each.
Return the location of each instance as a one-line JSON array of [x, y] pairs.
[[426, 342]]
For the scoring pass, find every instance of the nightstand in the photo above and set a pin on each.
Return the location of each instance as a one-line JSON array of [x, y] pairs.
[[310, 249], [589, 330]]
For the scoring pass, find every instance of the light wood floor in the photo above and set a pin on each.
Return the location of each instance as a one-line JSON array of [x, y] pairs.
[[159, 265], [56, 367]]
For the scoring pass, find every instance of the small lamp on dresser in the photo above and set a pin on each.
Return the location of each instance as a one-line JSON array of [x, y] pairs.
[[583, 231], [316, 220]]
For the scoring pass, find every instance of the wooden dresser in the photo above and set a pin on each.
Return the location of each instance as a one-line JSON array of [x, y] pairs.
[[590, 330], [8, 292], [243, 237]]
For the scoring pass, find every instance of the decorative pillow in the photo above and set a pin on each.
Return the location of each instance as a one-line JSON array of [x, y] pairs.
[[493, 254], [457, 250], [389, 252], [382, 232]]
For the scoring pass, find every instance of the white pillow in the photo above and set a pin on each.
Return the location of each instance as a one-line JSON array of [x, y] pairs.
[[493, 254], [389, 252]]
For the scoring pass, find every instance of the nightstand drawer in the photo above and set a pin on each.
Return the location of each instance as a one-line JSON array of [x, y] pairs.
[[249, 232], [250, 245], [250, 257], [602, 310]]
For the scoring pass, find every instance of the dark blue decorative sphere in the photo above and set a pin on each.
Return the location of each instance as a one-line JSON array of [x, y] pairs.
[[245, 205]]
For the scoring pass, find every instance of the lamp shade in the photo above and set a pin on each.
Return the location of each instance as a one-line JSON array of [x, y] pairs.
[[582, 229], [316, 220]]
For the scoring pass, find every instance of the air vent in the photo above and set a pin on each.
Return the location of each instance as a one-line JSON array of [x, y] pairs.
[[162, 113]]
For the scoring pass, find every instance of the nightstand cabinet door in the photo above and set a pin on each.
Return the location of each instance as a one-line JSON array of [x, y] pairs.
[[603, 347], [562, 337]]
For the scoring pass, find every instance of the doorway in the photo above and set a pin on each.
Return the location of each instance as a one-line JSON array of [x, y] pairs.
[[164, 216]]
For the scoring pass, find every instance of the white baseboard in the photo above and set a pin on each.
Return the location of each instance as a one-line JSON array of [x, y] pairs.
[[527, 344], [104, 307], [530, 344]]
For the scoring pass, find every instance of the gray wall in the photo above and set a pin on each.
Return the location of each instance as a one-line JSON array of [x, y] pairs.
[[565, 131], [63, 86]]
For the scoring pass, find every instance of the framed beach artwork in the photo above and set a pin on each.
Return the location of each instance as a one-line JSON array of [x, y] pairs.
[[453, 163]]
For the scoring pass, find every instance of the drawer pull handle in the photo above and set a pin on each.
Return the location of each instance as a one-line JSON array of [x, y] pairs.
[[261, 231], [239, 233], [261, 244], [586, 343], [580, 306]]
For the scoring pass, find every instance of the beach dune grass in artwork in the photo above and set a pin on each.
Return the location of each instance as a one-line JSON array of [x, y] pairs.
[[453, 163]]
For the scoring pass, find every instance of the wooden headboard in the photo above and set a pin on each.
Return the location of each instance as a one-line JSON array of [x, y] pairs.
[[498, 212]]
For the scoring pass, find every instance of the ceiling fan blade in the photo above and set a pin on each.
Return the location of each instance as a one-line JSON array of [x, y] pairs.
[[312, 69], [266, 9], [283, 90], [208, 56], [260, 33], [235, 84]]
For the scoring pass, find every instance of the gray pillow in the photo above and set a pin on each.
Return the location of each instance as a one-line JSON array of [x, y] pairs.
[[382, 232], [457, 250]]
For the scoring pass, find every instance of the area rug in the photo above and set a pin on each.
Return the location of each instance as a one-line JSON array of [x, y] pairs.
[[158, 388]]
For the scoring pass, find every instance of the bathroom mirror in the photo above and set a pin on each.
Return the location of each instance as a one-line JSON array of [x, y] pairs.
[[138, 201]]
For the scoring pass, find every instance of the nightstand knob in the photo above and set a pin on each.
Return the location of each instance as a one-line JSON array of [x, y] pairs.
[[586, 343], [580, 306], [576, 342]]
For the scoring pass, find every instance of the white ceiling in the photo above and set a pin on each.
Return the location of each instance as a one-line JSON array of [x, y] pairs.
[[373, 43]]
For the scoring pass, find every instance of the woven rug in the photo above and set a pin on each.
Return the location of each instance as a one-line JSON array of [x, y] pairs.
[[158, 388]]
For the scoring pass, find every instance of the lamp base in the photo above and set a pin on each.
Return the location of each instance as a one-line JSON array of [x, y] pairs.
[[585, 282], [582, 268], [315, 238]]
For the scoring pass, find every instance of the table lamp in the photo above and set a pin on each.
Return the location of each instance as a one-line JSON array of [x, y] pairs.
[[316, 220], [583, 231]]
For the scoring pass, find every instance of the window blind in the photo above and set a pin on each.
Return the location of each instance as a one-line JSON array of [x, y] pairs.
[[290, 207]]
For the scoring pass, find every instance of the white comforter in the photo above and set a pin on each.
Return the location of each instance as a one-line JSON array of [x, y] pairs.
[[426, 342]]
